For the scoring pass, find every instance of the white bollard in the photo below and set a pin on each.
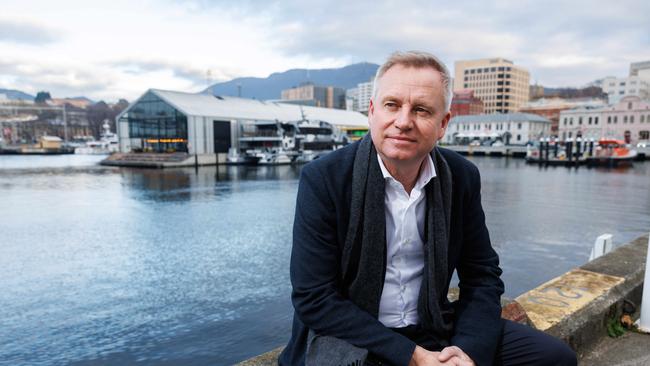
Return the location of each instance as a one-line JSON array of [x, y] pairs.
[[602, 246], [644, 319]]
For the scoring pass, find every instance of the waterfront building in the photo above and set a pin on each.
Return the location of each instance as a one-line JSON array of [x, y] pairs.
[[314, 95], [511, 128], [550, 108], [628, 120], [203, 124], [499, 83], [465, 103]]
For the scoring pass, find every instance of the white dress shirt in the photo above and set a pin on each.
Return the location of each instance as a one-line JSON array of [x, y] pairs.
[[398, 306]]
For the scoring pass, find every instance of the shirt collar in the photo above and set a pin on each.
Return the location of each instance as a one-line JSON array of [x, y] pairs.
[[427, 172]]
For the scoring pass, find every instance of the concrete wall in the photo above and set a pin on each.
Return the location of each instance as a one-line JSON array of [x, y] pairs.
[[573, 307]]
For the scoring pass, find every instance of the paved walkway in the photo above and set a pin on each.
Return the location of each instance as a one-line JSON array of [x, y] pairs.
[[631, 349]]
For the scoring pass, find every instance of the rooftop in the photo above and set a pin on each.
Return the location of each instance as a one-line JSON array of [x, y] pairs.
[[229, 108], [498, 117]]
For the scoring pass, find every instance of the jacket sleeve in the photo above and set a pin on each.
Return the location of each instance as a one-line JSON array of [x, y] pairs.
[[477, 328], [315, 265]]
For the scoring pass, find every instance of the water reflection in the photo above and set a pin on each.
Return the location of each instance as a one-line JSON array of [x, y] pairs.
[[190, 266]]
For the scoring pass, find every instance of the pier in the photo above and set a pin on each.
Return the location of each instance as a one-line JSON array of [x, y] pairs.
[[518, 151], [576, 307]]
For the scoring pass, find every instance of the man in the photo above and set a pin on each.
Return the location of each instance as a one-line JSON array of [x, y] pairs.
[[380, 227]]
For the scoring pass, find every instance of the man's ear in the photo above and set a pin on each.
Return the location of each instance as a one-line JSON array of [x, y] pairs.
[[443, 125], [445, 121]]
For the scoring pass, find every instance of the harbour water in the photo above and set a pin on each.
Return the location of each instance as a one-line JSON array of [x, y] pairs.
[[106, 265]]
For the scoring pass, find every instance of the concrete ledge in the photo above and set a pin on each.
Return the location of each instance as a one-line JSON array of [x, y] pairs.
[[592, 292]]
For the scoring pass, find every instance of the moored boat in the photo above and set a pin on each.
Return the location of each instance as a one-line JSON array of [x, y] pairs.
[[612, 152]]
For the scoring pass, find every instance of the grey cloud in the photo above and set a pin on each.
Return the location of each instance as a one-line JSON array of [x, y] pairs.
[[195, 75], [27, 33], [519, 30]]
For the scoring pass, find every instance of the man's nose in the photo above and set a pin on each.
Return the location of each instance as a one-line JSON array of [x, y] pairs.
[[404, 119]]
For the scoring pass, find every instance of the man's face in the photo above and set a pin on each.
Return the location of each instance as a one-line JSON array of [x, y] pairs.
[[407, 116]]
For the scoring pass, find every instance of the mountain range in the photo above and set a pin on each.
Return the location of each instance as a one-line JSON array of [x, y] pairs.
[[271, 87], [16, 94]]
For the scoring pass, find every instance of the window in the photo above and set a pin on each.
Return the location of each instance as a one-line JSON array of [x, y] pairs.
[[519, 126], [641, 118], [518, 137], [622, 83], [565, 121], [609, 119], [571, 121], [629, 105], [580, 120], [570, 134], [589, 120], [466, 72], [644, 135], [595, 120], [631, 119], [615, 119], [624, 119]]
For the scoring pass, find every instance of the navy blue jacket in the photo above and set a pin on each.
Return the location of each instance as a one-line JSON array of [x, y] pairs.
[[320, 226]]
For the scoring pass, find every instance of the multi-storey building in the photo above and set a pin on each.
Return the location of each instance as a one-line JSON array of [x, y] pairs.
[[640, 69], [617, 88], [502, 86], [318, 96], [550, 108], [629, 119], [465, 103], [364, 93], [513, 128]]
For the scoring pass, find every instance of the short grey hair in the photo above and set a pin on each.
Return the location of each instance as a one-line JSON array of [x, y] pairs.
[[417, 59]]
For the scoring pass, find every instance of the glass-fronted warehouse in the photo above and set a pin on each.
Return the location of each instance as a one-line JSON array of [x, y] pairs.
[[162, 121], [156, 126]]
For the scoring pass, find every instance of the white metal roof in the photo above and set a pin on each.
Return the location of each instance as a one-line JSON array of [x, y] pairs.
[[250, 109], [496, 117]]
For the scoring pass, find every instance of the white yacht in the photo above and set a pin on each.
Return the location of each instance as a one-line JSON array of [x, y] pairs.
[[107, 144]]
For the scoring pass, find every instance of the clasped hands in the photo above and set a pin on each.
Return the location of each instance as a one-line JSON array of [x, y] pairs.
[[451, 355]]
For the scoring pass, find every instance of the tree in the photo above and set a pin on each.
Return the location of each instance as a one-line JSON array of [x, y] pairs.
[[42, 97]]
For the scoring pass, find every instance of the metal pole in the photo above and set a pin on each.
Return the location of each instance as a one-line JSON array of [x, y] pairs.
[[65, 125], [569, 150], [644, 319], [548, 148], [556, 147]]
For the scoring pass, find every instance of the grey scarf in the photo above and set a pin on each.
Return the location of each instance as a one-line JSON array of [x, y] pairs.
[[364, 253]]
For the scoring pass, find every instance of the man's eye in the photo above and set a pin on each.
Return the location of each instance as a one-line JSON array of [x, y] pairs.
[[422, 112], [390, 105]]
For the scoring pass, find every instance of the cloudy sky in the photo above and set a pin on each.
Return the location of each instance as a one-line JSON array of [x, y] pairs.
[[118, 49]]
